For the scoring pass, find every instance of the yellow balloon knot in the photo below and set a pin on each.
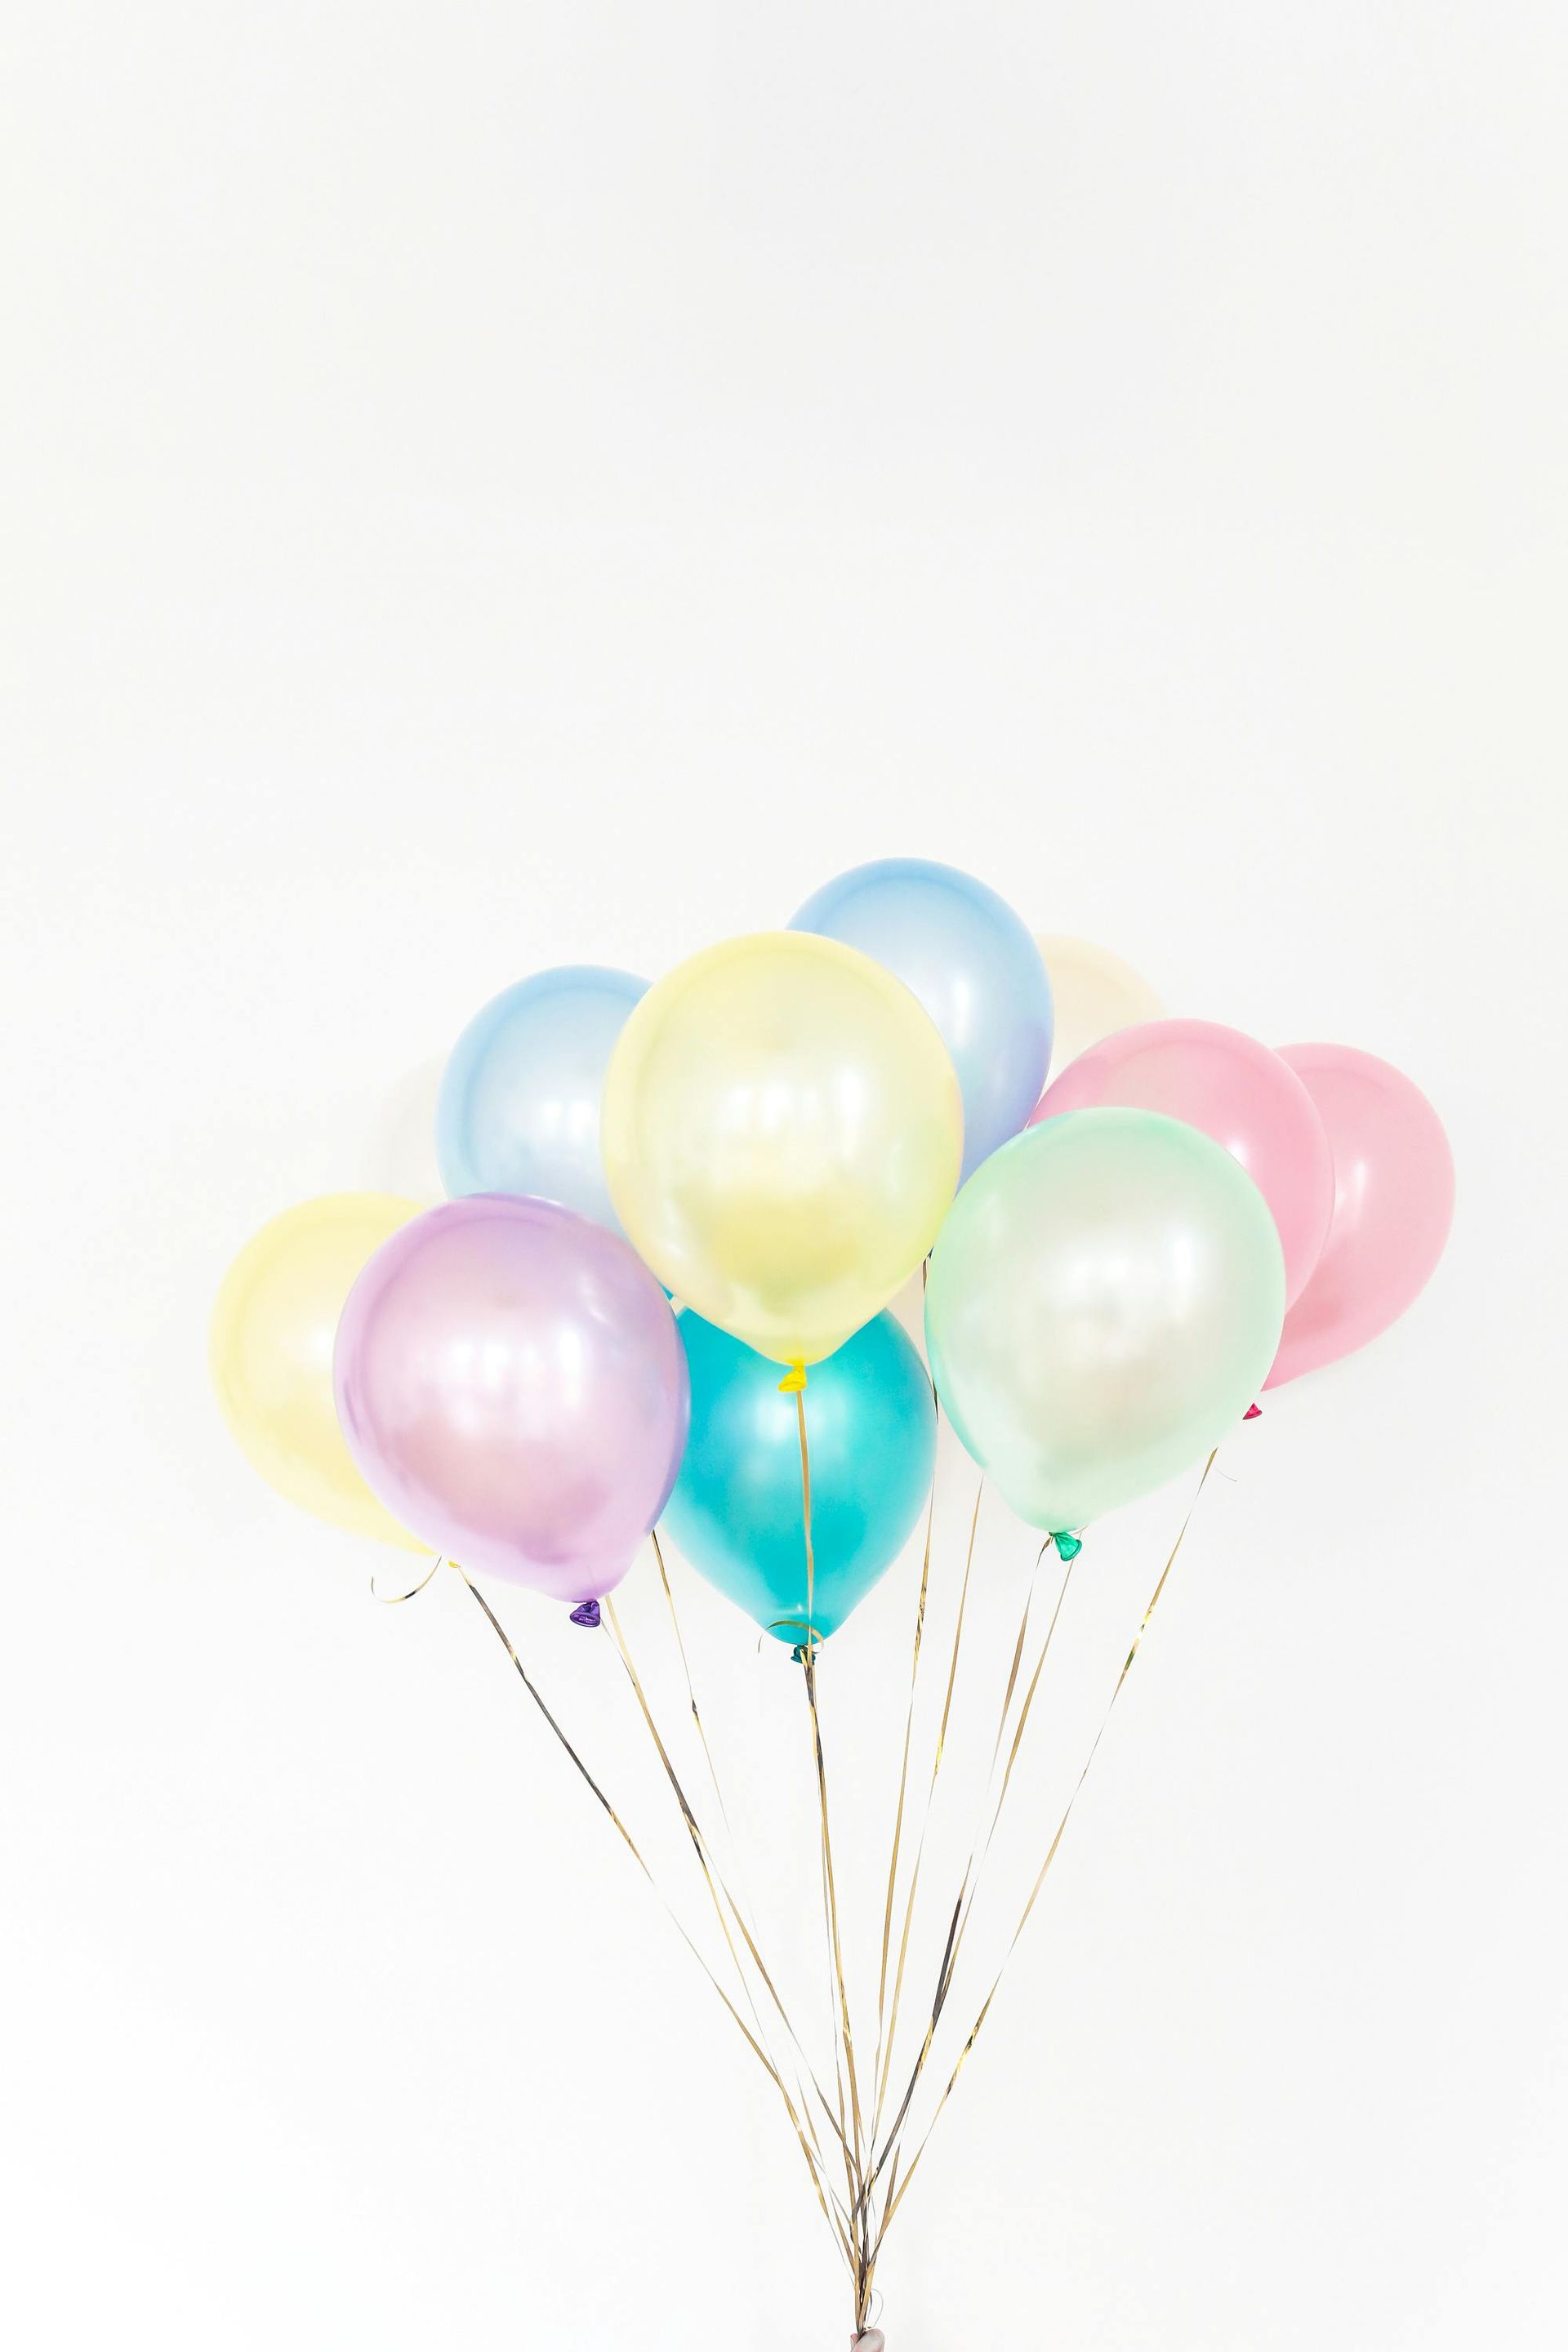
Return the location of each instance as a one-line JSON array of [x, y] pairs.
[[794, 1380]]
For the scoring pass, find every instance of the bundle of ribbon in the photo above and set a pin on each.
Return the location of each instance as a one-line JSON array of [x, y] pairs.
[[779, 1135]]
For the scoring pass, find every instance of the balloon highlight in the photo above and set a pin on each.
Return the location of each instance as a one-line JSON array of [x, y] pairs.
[[964, 952], [518, 1110], [1093, 994], [1237, 1092], [1394, 1203], [511, 1384], [736, 1512], [782, 1132], [270, 1354], [1103, 1303]]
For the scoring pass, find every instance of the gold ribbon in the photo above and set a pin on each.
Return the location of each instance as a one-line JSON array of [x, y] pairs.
[[395, 1599], [903, 1777], [851, 2219], [974, 1870], [925, 1825], [896, 2193], [752, 2040]]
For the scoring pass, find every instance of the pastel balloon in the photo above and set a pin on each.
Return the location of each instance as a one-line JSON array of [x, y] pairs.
[[518, 1110], [1237, 1092], [270, 1352], [1103, 1305], [782, 1134], [1394, 1203], [973, 966], [511, 1384], [736, 1512], [1093, 994]]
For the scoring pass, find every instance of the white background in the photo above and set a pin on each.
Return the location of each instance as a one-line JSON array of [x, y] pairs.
[[495, 485]]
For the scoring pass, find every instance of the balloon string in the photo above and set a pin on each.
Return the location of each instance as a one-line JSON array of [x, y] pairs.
[[632, 1847], [724, 1808], [895, 2197], [925, 1825], [974, 1870], [805, 1652], [904, 1772], [854, 2161], [691, 1686], [704, 1849], [395, 1599], [712, 1879]]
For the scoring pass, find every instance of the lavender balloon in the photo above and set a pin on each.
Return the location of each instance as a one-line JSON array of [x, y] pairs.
[[512, 1386]]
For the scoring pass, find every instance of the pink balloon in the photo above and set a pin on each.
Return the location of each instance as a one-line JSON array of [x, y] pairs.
[[1239, 1092], [1393, 1202], [512, 1383]]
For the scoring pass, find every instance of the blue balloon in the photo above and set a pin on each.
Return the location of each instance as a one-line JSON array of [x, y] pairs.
[[736, 1509], [519, 1108], [975, 967]]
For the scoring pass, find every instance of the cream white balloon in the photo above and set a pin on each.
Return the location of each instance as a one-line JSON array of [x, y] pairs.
[[1093, 994]]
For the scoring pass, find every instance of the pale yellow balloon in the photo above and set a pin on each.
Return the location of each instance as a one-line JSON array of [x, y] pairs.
[[1093, 994], [782, 1131], [274, 1322]]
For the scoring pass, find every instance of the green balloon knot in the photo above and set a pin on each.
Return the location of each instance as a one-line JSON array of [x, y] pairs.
[[1068, 1546]]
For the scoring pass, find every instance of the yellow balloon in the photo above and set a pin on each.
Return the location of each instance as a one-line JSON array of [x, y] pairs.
[[783, 1131], [274, 1322]]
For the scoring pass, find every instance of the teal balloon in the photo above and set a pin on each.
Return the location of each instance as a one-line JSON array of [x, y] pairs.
[[736, 1510]]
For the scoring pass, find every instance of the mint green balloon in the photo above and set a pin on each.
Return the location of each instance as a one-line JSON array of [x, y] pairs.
[[1104, 1302]]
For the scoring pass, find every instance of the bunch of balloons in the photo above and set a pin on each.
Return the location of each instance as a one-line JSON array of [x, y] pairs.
[[663, 1198]]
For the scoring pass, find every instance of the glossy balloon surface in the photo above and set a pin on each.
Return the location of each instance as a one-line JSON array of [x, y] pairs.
[[781, 1133], [270, 1353], [1239, 1092], [973, 964], [519, 1108], [511, 1384], [1394, 1203], [736, 1512], [1103, 1303], [1094, 992]]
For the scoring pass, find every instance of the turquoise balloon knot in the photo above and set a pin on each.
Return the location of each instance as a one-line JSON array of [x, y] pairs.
[[1068, 1546], [801, 1654]]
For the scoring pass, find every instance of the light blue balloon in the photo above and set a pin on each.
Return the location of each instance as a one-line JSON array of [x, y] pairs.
[[975, 967], [519, 1108], [736, 1509]]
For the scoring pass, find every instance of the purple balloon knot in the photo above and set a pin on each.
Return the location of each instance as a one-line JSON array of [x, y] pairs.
[[585, 1613], [1068, 1546], [1253, 1413]]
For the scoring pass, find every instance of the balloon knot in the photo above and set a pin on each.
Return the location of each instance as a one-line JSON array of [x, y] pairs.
[[585, 1613], [1068, 1546], [1253, 1413], [794, 1380], [801, 1654]]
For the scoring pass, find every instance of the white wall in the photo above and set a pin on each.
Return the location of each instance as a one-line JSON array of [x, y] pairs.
[[495, 485]]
